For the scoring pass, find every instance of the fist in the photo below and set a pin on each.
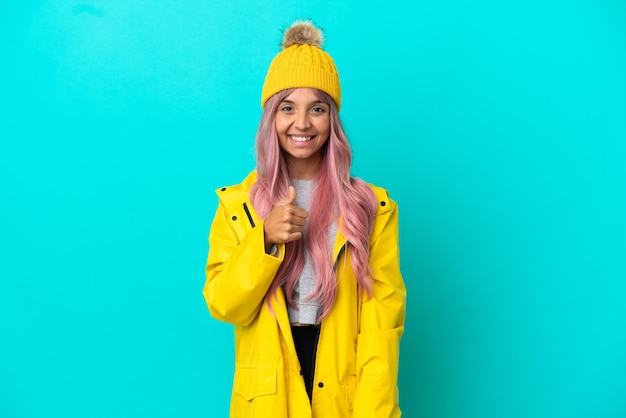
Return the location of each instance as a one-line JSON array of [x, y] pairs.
[[285, 222]]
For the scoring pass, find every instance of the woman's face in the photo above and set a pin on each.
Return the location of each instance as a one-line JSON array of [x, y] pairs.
[[303, 127]]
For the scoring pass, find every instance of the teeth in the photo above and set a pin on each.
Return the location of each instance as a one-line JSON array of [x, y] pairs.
[[301, 138]]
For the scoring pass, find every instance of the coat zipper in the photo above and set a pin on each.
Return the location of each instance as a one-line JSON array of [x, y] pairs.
[[339, 255]]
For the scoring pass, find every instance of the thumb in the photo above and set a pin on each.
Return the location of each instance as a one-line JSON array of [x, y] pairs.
[[290, 198]]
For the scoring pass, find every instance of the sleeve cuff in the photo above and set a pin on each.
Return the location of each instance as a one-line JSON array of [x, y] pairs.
[[274, 251]]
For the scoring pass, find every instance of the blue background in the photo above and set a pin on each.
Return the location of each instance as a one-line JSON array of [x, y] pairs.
[[499, 128]]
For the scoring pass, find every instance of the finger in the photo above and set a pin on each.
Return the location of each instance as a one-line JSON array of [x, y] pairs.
[[299, 212], [290, 198], [292, 194], [294, 236], [294, 215], [297, 220]]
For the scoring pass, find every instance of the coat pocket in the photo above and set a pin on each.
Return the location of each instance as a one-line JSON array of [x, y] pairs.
[[251, 382]]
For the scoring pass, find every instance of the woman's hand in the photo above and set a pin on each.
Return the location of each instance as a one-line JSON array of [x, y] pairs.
[[285, 222]]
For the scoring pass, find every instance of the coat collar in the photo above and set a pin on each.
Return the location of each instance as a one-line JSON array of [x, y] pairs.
[[239, 194]]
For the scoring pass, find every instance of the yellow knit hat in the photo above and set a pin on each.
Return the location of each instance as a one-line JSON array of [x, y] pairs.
[[302, 63]]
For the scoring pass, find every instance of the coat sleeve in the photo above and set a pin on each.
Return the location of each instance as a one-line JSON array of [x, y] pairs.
[[238, 271], [381, 323]]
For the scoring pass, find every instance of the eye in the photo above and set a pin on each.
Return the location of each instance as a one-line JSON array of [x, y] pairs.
[[286, 108], [319, 109]]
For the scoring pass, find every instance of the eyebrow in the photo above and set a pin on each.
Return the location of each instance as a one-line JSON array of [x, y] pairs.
[[313, 102]]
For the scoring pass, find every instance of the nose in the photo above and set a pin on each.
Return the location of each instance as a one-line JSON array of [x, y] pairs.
[[302, 121]]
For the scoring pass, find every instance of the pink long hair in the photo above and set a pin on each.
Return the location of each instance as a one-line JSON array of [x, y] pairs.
[[349, 197]]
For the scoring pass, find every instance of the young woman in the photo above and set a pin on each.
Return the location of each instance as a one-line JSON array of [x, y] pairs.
[[303, 258]]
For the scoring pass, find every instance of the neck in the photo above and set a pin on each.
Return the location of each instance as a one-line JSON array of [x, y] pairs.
[[303, 170]]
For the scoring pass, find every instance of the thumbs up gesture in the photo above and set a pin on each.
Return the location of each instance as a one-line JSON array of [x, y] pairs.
[[285, 222]]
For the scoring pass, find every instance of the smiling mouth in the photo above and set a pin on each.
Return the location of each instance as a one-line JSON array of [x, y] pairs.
[[300, 138]]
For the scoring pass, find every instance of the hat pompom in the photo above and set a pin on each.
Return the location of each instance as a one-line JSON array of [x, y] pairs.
[[303, 33]]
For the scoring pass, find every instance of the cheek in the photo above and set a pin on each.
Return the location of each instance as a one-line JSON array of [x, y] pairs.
[[326, 129], [281, 127], [323, 125]]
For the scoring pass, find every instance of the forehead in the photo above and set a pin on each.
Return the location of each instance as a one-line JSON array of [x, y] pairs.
[[304, 95]]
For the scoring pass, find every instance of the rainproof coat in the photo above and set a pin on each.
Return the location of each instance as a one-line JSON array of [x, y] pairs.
[[357, 355]]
